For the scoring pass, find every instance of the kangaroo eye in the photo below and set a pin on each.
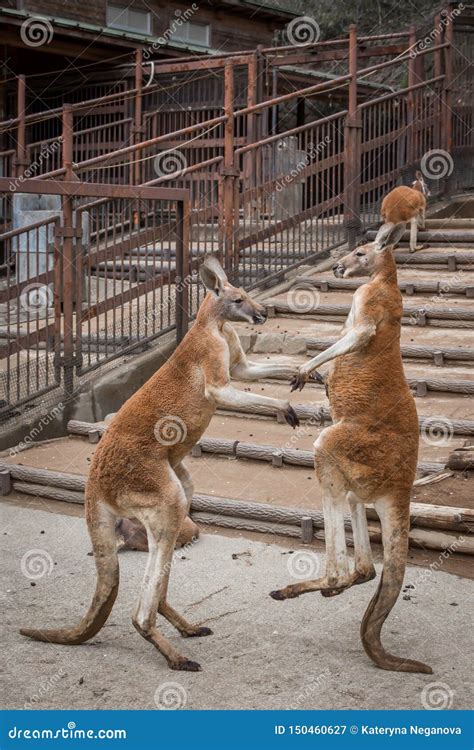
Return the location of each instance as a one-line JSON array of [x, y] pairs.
[[360, 254], [238, 301]]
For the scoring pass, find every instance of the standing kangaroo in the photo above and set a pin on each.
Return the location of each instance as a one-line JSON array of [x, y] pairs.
[[137, 471], [369, 454], [407, 204]]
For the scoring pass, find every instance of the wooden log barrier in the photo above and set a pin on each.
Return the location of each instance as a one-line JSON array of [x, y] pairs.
[[252, 451], [426, 520], [458, 314], [418, 286], [409, 351]]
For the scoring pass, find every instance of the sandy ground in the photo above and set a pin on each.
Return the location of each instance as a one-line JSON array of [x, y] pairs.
[[304, 653]]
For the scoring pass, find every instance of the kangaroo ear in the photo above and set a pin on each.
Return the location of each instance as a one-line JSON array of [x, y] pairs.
[[388, 235], [213, 275]]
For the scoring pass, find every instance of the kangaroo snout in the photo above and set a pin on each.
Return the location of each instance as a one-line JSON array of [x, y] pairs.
[[338, 270], [260, 317]]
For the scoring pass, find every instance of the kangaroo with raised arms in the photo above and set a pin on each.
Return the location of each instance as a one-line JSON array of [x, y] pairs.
[[138, 472]]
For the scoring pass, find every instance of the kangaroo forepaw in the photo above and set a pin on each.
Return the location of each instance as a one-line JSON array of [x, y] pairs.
[[291, 417]]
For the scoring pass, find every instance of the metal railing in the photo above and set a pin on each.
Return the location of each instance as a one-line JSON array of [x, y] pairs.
[[101, 280]]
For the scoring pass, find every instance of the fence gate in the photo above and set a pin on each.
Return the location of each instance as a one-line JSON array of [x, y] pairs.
[[102, 272]]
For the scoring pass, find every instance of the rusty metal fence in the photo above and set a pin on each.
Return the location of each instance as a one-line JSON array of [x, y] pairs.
[[154, 192], [102, 279]]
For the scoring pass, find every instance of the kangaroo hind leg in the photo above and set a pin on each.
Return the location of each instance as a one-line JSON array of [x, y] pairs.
[[186, 629], [394, 517]]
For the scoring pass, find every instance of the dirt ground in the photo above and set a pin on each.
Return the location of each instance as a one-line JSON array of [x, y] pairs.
[[305, 653]]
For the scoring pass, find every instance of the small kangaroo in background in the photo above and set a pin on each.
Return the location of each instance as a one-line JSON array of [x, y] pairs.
[[137, 471], [369, 454], [407, 204]]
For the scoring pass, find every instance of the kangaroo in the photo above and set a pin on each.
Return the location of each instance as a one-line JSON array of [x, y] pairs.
[[138, 472], [369, 454], [407, 204]]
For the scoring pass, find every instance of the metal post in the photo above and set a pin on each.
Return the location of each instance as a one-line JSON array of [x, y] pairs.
[[68, 253], [438, 70], [411, 101], [182, 278], [229, 172], [249, 167], [138, 116], [447, 114], [352, 138], [21, 161]]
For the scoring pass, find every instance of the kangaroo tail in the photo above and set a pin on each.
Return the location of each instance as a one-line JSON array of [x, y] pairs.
[[101, 524], [395, 525]]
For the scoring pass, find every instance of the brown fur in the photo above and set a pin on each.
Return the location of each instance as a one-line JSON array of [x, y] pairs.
[[137, 471], [401, 204], [369, 454]]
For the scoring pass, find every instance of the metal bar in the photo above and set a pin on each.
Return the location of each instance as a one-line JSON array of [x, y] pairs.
[[182, 279], [352, 143], [21, 160], [228, 170], [68, 254], [400, 92], [89, 189]]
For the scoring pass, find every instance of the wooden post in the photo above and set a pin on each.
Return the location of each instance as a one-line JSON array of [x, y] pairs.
[[411, 100], [21, 161], [5, 482], [352, 142], [229, 171]]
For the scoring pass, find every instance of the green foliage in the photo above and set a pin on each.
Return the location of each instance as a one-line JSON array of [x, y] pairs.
[[371, 16]]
